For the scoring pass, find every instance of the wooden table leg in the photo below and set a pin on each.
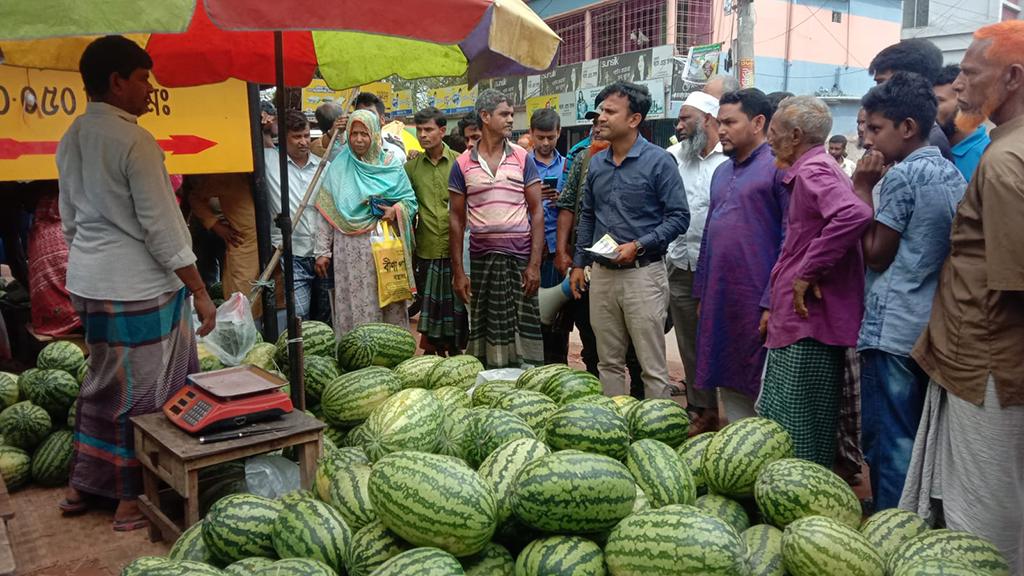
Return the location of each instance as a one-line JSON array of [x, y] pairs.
[[192, 499], [151, 488], [309, 453]]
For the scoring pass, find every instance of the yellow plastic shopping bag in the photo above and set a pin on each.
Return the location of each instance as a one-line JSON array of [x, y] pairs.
[[393, 277]]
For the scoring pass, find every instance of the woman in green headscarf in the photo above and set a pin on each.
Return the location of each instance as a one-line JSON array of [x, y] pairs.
[[361, 187]]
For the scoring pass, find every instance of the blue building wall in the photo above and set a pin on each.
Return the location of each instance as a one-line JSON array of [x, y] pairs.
[[810, 77], [549, 8]]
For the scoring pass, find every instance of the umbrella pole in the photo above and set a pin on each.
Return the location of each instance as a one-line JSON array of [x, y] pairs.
[[263, 223], [284, 222]]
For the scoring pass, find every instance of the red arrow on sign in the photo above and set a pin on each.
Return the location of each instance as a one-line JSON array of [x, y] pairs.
[[179, 144]]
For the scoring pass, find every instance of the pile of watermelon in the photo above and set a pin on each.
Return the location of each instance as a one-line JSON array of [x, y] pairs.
[[425, 472]]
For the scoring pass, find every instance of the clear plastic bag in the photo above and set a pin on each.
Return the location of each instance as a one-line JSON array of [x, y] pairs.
[[235, 333], [271, 476]]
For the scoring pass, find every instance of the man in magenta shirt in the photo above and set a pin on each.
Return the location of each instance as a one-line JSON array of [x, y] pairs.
[[817, 286]]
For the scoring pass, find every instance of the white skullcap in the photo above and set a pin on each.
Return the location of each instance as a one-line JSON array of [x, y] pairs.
[[703, 101]]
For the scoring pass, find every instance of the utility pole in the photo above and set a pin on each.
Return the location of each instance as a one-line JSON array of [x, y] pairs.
[[745, 43]]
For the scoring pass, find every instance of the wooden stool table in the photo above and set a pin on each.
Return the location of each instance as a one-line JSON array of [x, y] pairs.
[[168, 453]]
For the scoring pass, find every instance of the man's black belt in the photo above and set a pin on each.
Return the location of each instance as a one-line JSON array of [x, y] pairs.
[[640, 262]]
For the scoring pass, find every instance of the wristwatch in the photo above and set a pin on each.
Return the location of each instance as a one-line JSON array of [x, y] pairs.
[[640, 250]]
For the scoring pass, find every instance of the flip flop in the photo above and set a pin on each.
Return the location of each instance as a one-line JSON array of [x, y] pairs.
[[130, 524], [72, 507]]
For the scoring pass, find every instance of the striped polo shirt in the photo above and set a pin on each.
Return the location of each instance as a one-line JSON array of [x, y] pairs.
[[496, 203]]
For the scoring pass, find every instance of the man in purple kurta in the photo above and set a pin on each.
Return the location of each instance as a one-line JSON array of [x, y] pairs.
[[741, 243]]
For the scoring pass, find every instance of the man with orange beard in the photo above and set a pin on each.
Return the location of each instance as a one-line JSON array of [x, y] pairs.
[[969, 450]]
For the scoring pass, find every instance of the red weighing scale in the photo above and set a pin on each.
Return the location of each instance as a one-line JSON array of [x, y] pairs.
[[227, 399]]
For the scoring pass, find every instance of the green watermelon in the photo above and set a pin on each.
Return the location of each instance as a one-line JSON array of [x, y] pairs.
[[487, 429], [373, 545], [248, 566], [61, 355], [14, 466], [500, 469], [141, 565], [535, 378], [317, 373], [935, 567], [409, 420], [426, 561], [625, 403], [658, 418], [816, 545], [176, 568], [375, 344], [459, 371], [412, 373], [83, 371], [51, 462], [307, 528], [679, 540], [8, 389], [452, 439], [738, 453], [210, 494], [356, 438], [533, 407], [25, 377], [24, 425], [351, 397], [764, 550], [600, 400], [572, 491], [790, 489], [262, 355], [239, 526], [589, 428], [725, 508], [349, 491], [296, 567], [493, 560], [72, 413], [487, 394], [208, 361], [451, 397], [53, 391], [190, 546], [561, 556], [963, 547], [641, 503], [430, 500], [564, 387], [692, 453], [660, 472], [887, 529]]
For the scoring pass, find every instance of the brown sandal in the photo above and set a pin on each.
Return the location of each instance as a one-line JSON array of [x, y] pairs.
[[73, 507], [130, 524]]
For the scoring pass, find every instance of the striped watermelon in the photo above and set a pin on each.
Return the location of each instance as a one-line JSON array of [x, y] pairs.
[[487, 429], [248, 566], [725, 508], [887, 529], [561, 556], [625, 403], [430, 500], [679, 540], [375, 344], [459, 371], [262, 355], [51, 462], [173, 568], [740, 451], [764, 550], [53, 391], [535, 378], [589, 428], [790, 489], [61, 355], [500, 469], [600, 400], [493, 560], [372, 546], [356, 438], [816, 545], [564, 387], [15, 466], [660, 419], [25, 377], [426, 561], [335, 433], [137, 566], [351, 397], [317, 373], [8, 389], [572, 491], [451, 438], [296, 567], [83, 371], [317, 340], [72, 412], [451, 397], [190, 546], [692, 453], [409, 420], [350, 495], [239, 526], [963, 547], [533, 407], [307, 528], [936, 567], [487, 394], [660, 473], [24, 425], [413, 372]]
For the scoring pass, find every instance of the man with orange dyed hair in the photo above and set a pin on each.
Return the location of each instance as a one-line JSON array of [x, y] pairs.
[[969, 449]]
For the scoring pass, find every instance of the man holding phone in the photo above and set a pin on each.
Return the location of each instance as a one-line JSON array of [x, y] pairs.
[[545, 129]]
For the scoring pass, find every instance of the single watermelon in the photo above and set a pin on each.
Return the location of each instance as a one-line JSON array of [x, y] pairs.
[[493, 560], [349, 490], [413, 372], [53, 391], [409, 420], [24, 425], [535, 378], [533, 407], [944, 544], [8, 389], [790, 489], [247, 566], [658, 418], [487, 394], [487, 429], [692, 453], [589, 428], [15, 466], [764, 550], [500, 469], [61, 355], [307, 528], [737, 454], [565, 386], [372, 546], [350, 398], [459, 371], [375, 344], [261, 355], [423, 561], [886, 530], [296, 567], [570, 555], [190, 546], [317, 373], [725, 508], [816, 545], [451, 397], [661, 473], [51, 462], [239, 526]]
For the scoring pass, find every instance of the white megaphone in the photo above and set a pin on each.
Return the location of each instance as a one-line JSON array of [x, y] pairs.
[[552, 299]]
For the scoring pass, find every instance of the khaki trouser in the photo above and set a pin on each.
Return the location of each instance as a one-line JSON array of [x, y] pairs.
[[627, 304]]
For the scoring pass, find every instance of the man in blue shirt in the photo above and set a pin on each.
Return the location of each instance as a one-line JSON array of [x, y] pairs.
[[634, 195], [545, 129], [904, 249], [967, 147]]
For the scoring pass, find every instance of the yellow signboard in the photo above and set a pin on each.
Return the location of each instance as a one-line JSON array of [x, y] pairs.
[[319, 92], [457, 99], [538, 102], [382, 90], [401, 103], [202, 130]]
